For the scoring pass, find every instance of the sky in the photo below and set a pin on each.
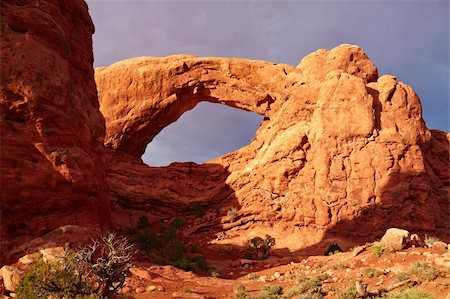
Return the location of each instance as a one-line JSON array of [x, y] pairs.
[[409, 39]]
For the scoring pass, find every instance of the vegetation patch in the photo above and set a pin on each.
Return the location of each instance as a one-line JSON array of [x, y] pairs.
[[410, 293], [371, 272], [378, 250], [258, 248], [424, 272], [96, 271], [163, 246]]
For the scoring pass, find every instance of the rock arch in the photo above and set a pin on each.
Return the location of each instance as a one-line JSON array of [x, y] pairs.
[[140, 96]]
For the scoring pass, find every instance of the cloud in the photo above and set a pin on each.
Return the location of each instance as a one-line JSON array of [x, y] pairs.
[[409, 39]]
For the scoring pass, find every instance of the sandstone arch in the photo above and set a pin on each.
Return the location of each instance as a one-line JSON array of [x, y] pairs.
[[140, 96]]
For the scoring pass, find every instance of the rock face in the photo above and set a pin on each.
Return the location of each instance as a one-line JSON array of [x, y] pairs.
[[52, 132], [340, 150]]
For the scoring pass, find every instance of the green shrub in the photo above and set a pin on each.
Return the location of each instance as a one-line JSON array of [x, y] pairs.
[[409, 294], [240, 292], [332, 249], [258, 248], [54, 279], [173, 249], [309, 285], [177, 223], [94, 271], [270, 291], [146, 240], [371, 272], [401, 276], [378, 250], [187, 289], [294, 291], [349, 293], [252, 276], [424, 272]]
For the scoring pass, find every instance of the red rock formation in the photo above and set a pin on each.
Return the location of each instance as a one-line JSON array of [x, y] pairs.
[[52, 132], [340, 149]]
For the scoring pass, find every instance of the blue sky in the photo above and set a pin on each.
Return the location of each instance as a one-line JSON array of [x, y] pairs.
[[409, 39]]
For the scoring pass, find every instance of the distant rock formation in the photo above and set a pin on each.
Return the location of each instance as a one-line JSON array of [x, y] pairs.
[[340, 151]]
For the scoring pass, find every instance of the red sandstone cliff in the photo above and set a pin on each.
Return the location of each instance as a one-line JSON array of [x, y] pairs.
[[341, 150], [52, 168]]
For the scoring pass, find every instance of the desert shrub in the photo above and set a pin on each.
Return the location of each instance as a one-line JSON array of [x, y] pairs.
[[177, 223], [252, 276], [241, 292], [371, 272], [94, 271], [429, 240], [332, 249], [309, 285], [401, 276], [349, 293], [378, 250], [110, 266], [187, 289], [214, 274], [409, 294], [424, 272], [258, 248], [173, 249], [270, 292], [57, 278]]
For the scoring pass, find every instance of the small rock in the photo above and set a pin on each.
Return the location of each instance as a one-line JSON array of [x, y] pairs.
[[262, 278], [124, 290], [358, 250], [139, 290], [247, 262], [276, 275], [28, 259], [363, 260], [52, 253]]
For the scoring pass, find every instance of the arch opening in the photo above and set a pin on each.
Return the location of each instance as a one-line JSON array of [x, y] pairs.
[[207, 131]]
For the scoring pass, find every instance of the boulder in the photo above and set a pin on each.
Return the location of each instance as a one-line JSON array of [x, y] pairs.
[[394, 239], [11, 277]]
